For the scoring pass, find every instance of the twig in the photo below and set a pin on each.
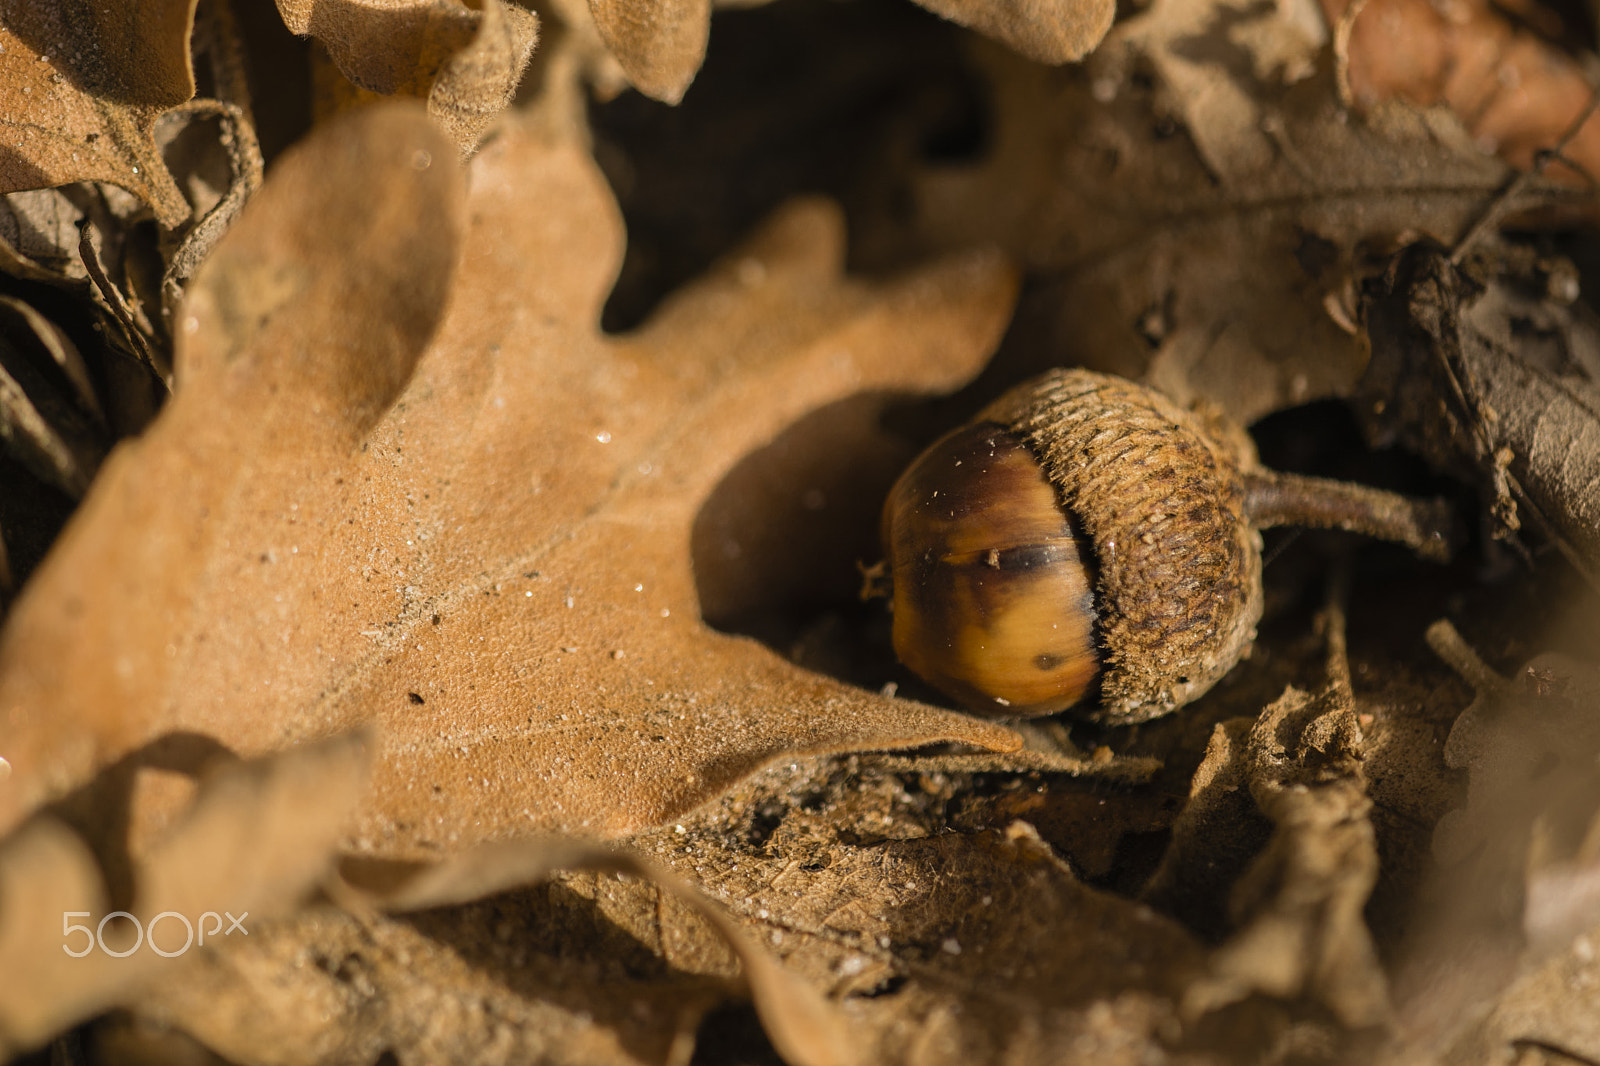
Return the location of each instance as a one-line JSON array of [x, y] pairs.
[[119, 307], [1334, 626], [1448, 644]]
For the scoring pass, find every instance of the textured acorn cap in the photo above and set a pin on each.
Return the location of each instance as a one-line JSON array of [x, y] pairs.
[[1161, 499]]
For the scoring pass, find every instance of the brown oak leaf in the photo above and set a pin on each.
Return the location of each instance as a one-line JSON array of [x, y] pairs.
[[464, 59], [1516, 91], [1196, 201], [488, 558], [660, 44], [256, 839], [83, 87], [1299, 928], [81, 90], [931, 947]]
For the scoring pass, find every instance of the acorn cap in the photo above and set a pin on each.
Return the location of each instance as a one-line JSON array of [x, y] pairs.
[[1161, 500]]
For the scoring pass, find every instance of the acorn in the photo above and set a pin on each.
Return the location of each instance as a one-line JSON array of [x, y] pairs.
[[1085, 540]]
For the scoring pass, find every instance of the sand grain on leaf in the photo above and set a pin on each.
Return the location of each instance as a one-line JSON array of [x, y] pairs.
[[496, 571]]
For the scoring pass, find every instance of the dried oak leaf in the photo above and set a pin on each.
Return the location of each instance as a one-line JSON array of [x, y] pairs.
[[57, 433], [1551, 1002], [100, 130], [464, 59], [81, 89], [1214, 838], [936, 948], [1516, 92], [941, 947], [1492, 386], [256, 838], [487, 558], [1195, 201], [462, 985], [379, 971], [1298, 907], [1291, 787], [660, 44], [804, 1028]]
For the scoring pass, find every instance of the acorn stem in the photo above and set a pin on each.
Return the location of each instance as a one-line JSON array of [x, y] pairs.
[[1273, 498]]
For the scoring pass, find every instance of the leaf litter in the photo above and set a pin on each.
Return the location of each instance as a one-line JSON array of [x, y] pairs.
[[405, 485], [1184, 196]]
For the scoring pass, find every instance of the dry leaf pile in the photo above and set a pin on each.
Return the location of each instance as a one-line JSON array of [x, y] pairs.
[[471, 682]]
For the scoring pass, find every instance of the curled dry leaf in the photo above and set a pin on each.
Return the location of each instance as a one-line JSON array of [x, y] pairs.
[[1046, 747], [56, 432], [1215, 836], [84, 95], [464, 59], [1528, 747], [215, 208], [80, 94], [491, 562], [25, 327], [1279, 824], [572, 51], [1046, 31], [660, 44], [1461, 373], [257, 836], [101, 132], [39, 232], [87, 237], [1198, 229], [1300, 932], [104, 95]]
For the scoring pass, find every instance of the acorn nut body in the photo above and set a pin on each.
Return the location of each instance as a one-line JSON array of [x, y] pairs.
[[1085, 540]]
